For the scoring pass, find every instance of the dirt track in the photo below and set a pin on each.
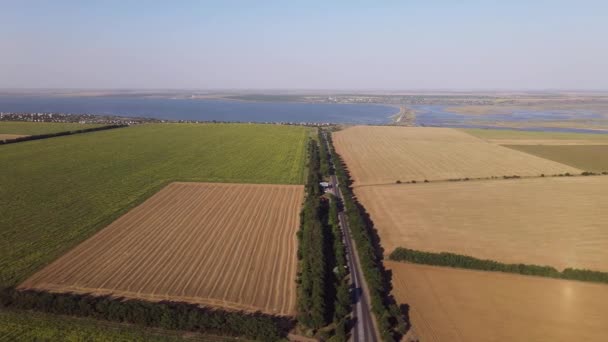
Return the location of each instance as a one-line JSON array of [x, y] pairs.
[[557, 221], [224, 245], [384, 155], [447, 304]]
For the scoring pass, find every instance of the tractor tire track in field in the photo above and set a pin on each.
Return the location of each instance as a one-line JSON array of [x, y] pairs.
[[215, 244]]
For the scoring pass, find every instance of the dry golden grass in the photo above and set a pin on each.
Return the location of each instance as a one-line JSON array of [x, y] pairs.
[[558, 221], [11, 136], [382, 155], [447, 304], [225, 245]]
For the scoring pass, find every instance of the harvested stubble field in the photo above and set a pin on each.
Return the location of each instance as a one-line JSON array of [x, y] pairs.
[[587, 157], [447, 304], [57, 192], [35, 128], [557, 221], [221, 245], [383, 155]]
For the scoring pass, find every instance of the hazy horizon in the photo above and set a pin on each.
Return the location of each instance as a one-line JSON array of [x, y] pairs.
[[339, 46]]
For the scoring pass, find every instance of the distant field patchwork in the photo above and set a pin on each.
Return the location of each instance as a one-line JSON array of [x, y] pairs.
[[224, 245], [35, 128], [55, 193], [515, 137], [383, 155], [586, 157], [559, 221], [447, 304]]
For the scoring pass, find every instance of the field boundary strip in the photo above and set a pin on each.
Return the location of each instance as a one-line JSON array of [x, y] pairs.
[[454, 260], [58, 134], [506, 177]]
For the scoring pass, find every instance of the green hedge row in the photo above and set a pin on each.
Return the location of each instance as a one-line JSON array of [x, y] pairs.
[[464, 261], [58, 134], [166, 315]]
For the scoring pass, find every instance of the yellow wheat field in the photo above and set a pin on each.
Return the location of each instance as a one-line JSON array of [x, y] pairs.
[[558, 221], [225, 245], [456, 305], [382, 155]]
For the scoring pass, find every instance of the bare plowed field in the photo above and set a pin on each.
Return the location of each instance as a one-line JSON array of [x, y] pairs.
[[226, 245], [447, 304], [557, 221], [382, 155]]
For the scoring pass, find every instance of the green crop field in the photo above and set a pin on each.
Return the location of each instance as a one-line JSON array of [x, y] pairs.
[[36, 128], [35, 326], [55, 193], [585, 157], [505, 134]]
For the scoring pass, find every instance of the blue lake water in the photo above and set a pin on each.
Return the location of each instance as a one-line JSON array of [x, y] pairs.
[[295, 112], [202, 109], [439, 116]]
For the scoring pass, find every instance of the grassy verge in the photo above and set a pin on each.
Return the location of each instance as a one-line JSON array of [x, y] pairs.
[[468, 262]]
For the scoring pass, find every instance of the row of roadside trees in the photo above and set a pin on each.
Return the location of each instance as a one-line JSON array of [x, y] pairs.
[[465, 261], [165, 315], [390, 320]]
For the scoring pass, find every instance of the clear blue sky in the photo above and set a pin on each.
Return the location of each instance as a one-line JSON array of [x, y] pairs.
[[304, 44]]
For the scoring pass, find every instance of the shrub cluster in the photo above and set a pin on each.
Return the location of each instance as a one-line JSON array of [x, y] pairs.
[[58, 134], [166, 315], [388, 315], [464, 261]]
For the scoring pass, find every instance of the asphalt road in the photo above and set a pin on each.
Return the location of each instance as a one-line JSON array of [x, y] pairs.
[[363, 329]]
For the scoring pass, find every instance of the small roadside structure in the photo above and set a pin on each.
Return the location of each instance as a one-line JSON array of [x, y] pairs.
[[325, 185]]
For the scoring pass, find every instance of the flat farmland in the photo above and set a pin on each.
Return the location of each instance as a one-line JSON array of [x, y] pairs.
[[587, 157], [557, 221], [35, 128], [515, 137], [383, 155], [447, 304], [55, 193], [221, 245]]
